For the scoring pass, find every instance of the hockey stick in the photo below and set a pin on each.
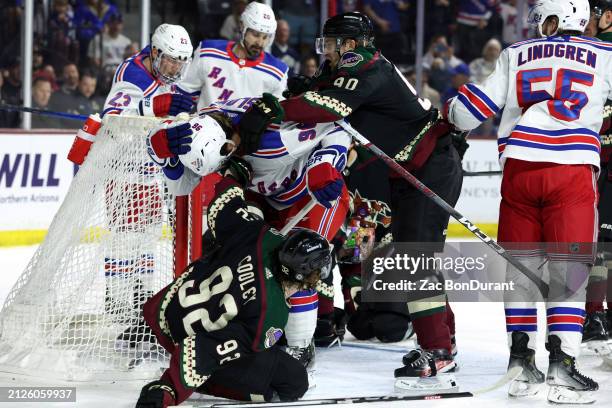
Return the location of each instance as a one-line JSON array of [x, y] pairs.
[[482, 173], [298, 217], [505, 379], [416, 183], [15, 108]]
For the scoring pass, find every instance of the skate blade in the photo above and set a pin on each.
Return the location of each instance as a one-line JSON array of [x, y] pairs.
[[312, 382], [426, 385], [564, 395], [521, 389]]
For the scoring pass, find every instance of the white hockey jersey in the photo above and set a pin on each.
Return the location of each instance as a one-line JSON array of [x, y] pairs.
[[552, 92], [279, 165], [216, 74], [131, 84]]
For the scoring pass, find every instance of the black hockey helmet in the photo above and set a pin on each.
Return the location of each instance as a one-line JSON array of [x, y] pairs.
[[600, 6], [303, 253], [353, 25]]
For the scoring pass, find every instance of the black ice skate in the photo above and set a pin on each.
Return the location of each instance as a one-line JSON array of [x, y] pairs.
[[306, 356], [330, 328], [595, 333], [567, 384], [426, 371], [531, 379]]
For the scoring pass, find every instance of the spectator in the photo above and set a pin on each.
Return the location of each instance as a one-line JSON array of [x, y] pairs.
[[440, 17], [10, 31], [385, 15], [460, 75], [441, 51], [472, 20], [48, 72], [282, 50], [89, 20], [80, 102], [70, 79], [61, 35], [130, 50], [346, 6], [427, 92], [509, 14], [41, 93], [482, 67], [309, 66], [302, 17], [107, 48], [3, 114], [230, 29], [11, 92]]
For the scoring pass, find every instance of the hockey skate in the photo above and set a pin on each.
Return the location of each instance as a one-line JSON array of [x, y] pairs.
[[306, 356], [595, 333], [567, 384], [426, 372], [331, 328], [531, 379]]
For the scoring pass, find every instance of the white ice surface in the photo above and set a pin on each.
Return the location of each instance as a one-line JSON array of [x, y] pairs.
[[351, 372]]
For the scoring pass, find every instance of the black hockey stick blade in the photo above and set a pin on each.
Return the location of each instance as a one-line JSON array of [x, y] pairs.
[[349, 400], [416, 183]]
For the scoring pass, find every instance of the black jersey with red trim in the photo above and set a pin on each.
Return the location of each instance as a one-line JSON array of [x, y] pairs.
[[371, 93], [233, 283]]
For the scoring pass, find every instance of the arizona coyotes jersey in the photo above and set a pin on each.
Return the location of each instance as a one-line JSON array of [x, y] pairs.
[[233, 290], [285, 152], [217, 74], [131, 84], [552, 92]]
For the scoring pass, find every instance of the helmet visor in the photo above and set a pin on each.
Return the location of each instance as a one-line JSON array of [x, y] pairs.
[[170, 69], [326, 45]]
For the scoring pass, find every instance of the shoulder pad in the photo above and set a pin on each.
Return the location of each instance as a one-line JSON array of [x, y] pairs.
[[136, 75], [275, 62]]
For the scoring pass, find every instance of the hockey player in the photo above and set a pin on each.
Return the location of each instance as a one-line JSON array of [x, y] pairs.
[[597, 325], [224, 70], [552, 90], [145, 83], [232, 302], [356, 82], [295, 164]]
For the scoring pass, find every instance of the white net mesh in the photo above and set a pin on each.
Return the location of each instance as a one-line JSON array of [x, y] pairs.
[[75, 312]]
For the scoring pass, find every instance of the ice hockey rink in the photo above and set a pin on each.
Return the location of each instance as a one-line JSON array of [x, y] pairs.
[[356, 370]]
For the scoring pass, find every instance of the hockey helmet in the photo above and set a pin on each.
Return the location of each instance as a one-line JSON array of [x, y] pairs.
[[353, 25], [303, 253], [174, 51], [598, 7], [206, 154], [573, 15], [258, 17]]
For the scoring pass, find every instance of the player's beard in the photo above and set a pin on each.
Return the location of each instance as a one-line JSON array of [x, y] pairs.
[[253, 51]]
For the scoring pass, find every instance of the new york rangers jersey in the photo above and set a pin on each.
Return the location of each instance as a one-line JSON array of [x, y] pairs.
[[285, 152], [131, 84], [217, 74], [552, 92]]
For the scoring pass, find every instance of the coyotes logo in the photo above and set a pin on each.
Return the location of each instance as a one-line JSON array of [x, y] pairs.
[[369, 211]]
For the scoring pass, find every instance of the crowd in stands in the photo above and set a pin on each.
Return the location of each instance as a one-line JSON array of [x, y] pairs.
[[79, 43]]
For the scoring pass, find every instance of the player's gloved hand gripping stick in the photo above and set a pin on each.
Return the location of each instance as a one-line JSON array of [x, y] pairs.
[[542, 286]]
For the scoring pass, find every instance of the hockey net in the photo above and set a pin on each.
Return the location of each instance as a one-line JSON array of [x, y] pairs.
[[75, 312]]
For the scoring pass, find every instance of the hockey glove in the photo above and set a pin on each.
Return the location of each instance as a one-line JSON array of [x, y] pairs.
[[459, 141], [256, 119], [170, 142], [156, 394], [84, 139], [325, 183], [297, 85], [169, 104], [239, 169]]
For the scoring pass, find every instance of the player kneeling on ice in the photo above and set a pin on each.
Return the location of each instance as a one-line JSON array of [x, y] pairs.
[[229, 308], [552, 90], [295, 166]]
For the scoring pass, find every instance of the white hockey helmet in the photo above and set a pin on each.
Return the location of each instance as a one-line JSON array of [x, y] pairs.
[[209, 138], [258, 17], [573, 15], [174, 51]]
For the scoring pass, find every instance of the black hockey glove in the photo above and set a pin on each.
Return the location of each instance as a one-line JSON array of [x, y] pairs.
[[239, 169], [459, 141], [297, 85], [256, 119]]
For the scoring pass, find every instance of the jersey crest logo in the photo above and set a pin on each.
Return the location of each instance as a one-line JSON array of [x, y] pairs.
[[272, 336], [350, 59]]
